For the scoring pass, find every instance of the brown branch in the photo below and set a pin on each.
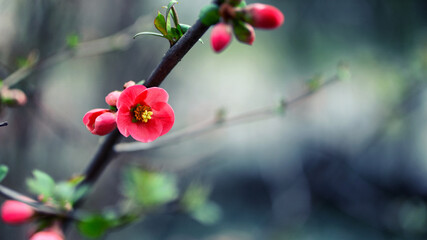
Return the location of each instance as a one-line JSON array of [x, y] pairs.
[[170, 60], [39, 207], [211, 125]]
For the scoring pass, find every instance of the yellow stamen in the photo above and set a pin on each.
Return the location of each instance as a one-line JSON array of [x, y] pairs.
[[142, 113]]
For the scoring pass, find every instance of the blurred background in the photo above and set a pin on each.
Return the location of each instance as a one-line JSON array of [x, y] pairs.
[[348, 162]]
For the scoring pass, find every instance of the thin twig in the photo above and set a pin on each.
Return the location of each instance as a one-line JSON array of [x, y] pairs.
[[197, 130], [39, 207], [118, 41]]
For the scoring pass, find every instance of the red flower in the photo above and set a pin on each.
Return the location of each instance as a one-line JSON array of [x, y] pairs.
[[100, 121], [220, 37], [263, 16], [47, 235], [15, 212], [144, 113]]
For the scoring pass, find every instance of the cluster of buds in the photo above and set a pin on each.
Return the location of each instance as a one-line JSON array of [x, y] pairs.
[[235, 16], [138, 111], [15, 212]]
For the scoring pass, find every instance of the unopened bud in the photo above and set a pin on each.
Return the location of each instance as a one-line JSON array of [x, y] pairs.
[[128, 84], [13, 97], [220, 37], [15, 212], [112, 97], [244, 32], [100, 121], [263, 16]]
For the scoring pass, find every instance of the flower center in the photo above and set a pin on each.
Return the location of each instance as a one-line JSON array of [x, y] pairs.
[[141, 113]]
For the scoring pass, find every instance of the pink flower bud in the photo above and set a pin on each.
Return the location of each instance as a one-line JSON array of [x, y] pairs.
[[13, 97], [47, 235], [263, 16], [244, 32], [100, 121], [112, 97], [128, 84], [220, 37], [15, 212]]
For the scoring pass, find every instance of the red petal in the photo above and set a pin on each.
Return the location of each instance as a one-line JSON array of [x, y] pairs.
[[145, 132], [152, 96], [163, 113], [128, 96]]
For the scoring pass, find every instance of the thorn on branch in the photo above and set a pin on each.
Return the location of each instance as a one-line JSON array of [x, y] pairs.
[[3, 124]]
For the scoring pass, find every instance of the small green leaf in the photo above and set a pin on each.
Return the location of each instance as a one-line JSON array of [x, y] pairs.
[[209, 15], [3, 171], [175, 33], [63, 193], [74, 181], [42, 184], [23, 62], [72, 40], [168, 12], [79, 193], [315, 82], [242, 4], [208, 214], [149, 34], [149, 189], [160, 24], [141, 82], [184, 27], [194, 197], [94, 226]]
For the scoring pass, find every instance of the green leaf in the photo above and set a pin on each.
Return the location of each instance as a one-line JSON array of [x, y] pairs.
[[168, 12], [242, 4], [315, 82], [208, 214], [184, 27], [141, 82], [175, 33], [94, 226], [194, 197], [160, 24], [41, 184], [150, 34], [3, 171], [209, 15], [22, 62], [79, 193], [63, 193], [72, 40], [149, 189]]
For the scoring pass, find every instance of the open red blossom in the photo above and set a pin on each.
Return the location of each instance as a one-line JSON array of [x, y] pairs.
[[15, 212], [144, 113], [264, 16], [100, 121]]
